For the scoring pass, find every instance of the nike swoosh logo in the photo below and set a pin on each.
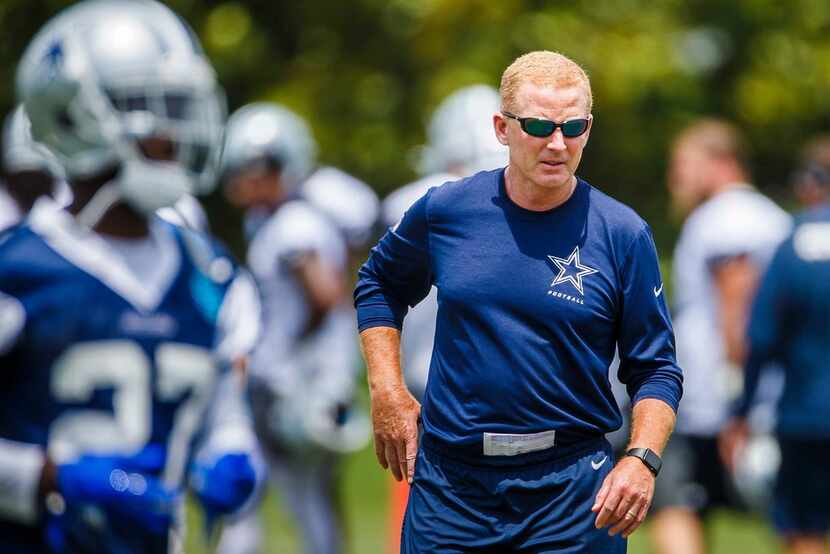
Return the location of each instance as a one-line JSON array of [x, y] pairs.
[[597, 465], [658, 291]]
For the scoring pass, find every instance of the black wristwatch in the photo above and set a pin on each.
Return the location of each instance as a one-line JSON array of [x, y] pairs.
[[651, 460]]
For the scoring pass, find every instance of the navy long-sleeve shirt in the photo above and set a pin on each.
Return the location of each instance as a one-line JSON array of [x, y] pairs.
[[531, 307], [790, 324]]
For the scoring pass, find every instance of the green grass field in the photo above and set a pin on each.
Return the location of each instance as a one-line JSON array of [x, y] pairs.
[[364, 496]]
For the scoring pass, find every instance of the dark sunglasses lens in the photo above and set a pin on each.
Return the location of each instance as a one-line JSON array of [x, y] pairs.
[[538, 127], [574, 127]]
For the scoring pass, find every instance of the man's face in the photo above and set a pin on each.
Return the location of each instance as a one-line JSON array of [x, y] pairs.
[[688, 177], [548, 162], [254, 187]]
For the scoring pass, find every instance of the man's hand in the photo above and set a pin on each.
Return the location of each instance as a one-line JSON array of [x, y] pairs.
[[395, 414], [625, 497], [732, 441]]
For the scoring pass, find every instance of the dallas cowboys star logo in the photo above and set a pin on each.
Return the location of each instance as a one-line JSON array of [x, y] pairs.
[[570, 269], [53, 59]]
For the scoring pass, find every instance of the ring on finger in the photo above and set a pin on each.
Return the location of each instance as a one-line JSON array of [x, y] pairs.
[[630, 514]]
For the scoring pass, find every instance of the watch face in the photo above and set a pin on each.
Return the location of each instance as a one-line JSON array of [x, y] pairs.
[[653, 460]]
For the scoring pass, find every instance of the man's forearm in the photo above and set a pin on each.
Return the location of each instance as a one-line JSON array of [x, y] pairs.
[[382, 352], [652, 422]]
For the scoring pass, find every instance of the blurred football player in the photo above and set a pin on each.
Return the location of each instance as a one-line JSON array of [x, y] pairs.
[[726, 241], [790, 324], [302, 372], [447, 156], [29, 171], [118, 329]]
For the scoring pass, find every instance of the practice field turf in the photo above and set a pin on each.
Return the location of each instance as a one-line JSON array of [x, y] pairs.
[[364, 497]]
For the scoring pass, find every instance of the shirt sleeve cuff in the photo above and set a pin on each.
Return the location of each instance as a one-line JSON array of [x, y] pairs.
[[665, 391], [379, 314]]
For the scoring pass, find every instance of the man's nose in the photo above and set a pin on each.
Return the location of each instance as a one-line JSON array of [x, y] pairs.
[[557, 140]]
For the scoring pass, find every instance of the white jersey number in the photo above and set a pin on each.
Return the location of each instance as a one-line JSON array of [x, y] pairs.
[[123, 367]]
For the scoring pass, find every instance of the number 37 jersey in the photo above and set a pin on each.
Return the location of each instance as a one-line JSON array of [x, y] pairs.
[[109, 345]]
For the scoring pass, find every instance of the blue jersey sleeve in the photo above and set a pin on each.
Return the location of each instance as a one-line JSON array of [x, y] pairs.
[[648, 365], [767, 325], [397, 273]]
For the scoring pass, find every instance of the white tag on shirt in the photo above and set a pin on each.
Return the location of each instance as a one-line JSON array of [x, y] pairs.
[[504, 444]]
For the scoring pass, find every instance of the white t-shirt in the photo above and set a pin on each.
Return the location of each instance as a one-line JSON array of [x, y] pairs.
[[326, 359], [739, 221], [419, 325]]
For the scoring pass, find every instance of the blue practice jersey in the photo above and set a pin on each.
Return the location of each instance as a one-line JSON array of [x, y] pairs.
[[94, 361], [790, 324], [531, 308]]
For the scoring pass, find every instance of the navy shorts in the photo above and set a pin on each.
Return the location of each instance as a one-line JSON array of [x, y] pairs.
[[540, 506], [801, 504]]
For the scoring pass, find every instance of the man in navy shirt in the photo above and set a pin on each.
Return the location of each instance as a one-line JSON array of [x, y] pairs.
[[540, 277], [790, 324]]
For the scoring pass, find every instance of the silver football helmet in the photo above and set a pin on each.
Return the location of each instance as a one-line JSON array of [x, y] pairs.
[[104, 74], [266, 131], [460, 135]]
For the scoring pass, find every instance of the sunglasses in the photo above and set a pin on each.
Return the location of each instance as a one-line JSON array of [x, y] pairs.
[[541, 128]]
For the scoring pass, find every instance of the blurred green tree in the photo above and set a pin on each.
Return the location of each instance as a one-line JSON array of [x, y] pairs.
[[367, 73]]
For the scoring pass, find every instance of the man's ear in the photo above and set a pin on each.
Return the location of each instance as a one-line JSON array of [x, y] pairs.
[[500, 127], [590, 126]]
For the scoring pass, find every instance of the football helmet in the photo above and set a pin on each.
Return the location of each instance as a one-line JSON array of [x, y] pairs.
[[272, 133], [460, 135], [104, 74]]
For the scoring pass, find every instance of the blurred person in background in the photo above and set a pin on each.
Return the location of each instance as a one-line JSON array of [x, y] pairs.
[[790, 325], [539, 277], [29, 171], [447, 156], [727, 239], [303, 370], [119, 331]]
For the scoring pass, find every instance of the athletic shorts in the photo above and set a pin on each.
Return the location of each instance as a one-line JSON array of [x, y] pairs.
[[801, 502], [541, 506], [693, 477]]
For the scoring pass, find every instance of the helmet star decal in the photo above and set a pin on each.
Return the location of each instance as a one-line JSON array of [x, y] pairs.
[[571, 270]]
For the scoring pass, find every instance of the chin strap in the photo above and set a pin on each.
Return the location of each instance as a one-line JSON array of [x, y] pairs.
[[107, 196]]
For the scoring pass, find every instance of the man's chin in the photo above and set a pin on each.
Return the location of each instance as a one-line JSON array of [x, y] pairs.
[[554, 182]]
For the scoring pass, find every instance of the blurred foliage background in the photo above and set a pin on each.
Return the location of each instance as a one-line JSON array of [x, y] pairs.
[[367, 74]]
